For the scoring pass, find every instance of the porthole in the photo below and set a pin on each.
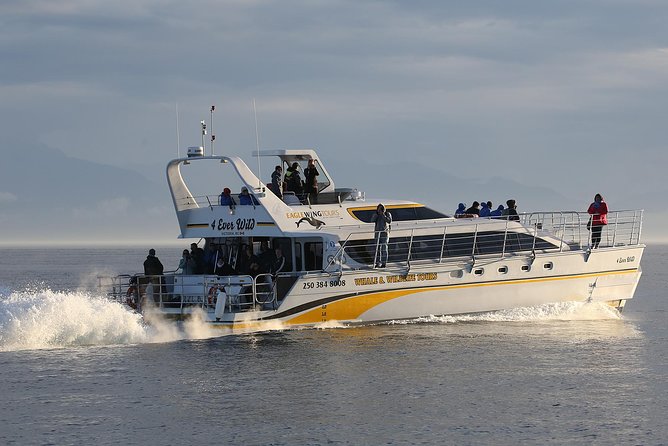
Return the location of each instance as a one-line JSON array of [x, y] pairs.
[[526, 268], [548, 265], [457, 274], [503, 270], [478, 271]]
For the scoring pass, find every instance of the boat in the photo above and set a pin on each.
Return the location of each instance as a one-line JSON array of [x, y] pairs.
[[330, 274]]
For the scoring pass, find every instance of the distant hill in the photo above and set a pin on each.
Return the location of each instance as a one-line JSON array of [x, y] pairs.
[[442, 190], [46, 195]]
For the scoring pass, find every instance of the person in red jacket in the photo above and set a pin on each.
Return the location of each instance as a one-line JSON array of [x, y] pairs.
[[599, 218]]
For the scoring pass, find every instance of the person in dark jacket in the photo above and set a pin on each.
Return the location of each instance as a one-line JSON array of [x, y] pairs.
[[511, 211], [474, 209], [226, 198], [461, 210], [153, 271], [311, 182], [223, 268], [152, 265], [277, 181], [382, 220], [197, 256], [599, 218]]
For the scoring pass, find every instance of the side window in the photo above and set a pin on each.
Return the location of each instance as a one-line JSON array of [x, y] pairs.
[[313, 256]]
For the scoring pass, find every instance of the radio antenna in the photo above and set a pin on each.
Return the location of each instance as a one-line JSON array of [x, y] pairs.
[[178, 138], [213, 137], [203, 125], [257, 145]]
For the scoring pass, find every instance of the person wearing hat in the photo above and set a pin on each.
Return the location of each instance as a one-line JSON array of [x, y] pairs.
[[226, 198], [293, 180], [245, 198]]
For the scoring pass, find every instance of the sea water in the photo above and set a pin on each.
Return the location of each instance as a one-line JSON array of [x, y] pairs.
[[78, 369]]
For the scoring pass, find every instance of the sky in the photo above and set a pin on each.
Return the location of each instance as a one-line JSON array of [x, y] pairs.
[[569, 96]]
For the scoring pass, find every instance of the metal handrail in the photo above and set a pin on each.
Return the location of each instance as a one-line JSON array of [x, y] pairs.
[[566, 229]]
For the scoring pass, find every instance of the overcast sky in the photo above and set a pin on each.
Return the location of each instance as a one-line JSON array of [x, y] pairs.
[[571, 95]]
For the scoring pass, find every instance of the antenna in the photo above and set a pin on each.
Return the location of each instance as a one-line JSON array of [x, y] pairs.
[[257, 145], [178, 138], [203, 125], [213, 137]]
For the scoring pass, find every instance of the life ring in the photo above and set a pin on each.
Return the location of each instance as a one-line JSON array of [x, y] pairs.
[[213, 294]]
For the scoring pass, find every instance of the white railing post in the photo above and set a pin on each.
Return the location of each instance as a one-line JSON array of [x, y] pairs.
[[410, 247], [440, 259]]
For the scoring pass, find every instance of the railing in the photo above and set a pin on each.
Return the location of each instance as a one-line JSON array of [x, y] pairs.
[[490, 238], [177, 291]]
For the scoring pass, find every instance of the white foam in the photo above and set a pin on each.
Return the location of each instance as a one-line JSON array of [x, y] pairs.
[[562, 311], [48, 319]]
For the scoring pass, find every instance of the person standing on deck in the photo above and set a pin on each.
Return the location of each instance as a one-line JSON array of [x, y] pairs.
[[277, 182], [311, 182], [599, 218], [382, 220]]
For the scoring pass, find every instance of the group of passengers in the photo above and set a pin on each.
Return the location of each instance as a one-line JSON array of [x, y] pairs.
[[245, 198], [215, 261], [289, 188], [485, 210]]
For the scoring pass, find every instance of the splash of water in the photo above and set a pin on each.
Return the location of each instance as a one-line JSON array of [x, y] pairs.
[[32, 319]]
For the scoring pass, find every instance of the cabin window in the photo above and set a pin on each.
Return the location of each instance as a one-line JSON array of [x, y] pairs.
[[479, 271], [313, 256], [503, 270], [400, 213], [548, 265], [526, 268]]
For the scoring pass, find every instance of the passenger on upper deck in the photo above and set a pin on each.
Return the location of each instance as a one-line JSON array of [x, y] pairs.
[[277, 181], [497, 213], [311, 182], [460, 210], [226, 198], [474, 209], [511, 211], [293, 180], [247, 199], [484, 209]]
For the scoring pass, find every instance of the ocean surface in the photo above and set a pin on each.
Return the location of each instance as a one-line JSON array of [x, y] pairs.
[[77, 369]]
